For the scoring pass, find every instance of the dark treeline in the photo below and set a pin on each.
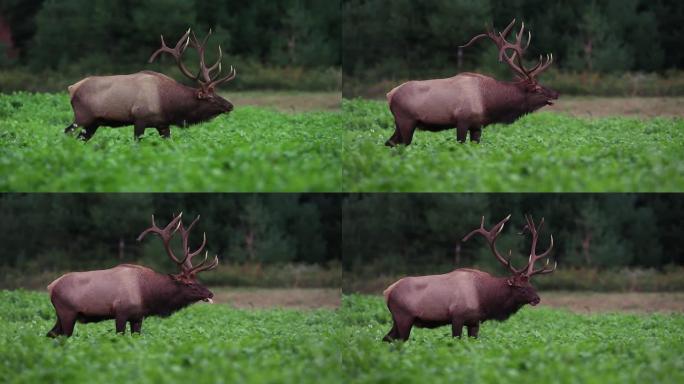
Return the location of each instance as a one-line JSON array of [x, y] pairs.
[[45, 45], [402, 39], [418, 233], [80, 231], [53, 34]]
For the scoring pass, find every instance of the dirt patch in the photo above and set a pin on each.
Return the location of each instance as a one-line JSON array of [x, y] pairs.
[[288, 101], [591, 302], [310, 298], [619, 106]]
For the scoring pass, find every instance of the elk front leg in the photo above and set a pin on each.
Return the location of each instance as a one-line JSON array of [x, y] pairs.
[[475, 134], [473, 329], [461, 132], [164, 132], [456, 327], [136, 325], [120, 323], [138, 130]]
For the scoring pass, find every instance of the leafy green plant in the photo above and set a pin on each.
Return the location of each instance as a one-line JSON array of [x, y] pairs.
[[252, 149], [200, 344], [537, 345], [542, 152]]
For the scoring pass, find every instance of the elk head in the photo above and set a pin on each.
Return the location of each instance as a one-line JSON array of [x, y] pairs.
[[186, 278], [207, 78], [537, 95], [519, 281]]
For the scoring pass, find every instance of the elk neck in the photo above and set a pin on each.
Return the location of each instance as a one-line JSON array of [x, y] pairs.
[[505, 102], [182, 107], [497, 301], [163, 296]]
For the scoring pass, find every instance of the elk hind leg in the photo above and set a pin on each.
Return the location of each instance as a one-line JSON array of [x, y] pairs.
[[71, 128], [393, 334], [67, 321], [56, 330], [396, 137], [404, 325], [88, 132], [406, 127], [164, 132]]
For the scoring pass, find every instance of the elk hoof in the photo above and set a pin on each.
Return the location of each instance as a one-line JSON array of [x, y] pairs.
[[390, 143]]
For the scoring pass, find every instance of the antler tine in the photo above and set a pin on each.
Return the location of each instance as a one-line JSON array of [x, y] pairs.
[[491, 237], [176, 52], [533, 251], [230, 76], [201, 267], [166, 234]]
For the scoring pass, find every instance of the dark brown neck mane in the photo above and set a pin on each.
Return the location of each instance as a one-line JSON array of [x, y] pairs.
[[497, 300]]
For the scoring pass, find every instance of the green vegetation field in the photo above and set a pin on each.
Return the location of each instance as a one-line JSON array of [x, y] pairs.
[[252, 149], [200, 344], [543, 152], [537, 345]]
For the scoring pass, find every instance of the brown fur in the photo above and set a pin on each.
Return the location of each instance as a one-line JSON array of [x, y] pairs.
[[463, 297], [145, 99], [467, 102], [125, 293]]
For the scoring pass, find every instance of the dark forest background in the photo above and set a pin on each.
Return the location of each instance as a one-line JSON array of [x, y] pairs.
[[602, 241], [274, 44], [261, 239], [389, 40]]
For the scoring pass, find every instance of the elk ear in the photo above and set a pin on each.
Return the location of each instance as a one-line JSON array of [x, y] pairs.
[[201, 94]]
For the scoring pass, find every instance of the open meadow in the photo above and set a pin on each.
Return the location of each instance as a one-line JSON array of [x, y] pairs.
[[200, 344], [536, 345], [583, 148], [255, 148]]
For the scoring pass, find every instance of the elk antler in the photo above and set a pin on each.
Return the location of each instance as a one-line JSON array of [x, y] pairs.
[[177, 53], [491, 237], [208, 80], [166, 234], [530, 271], [515, 60], [176, 225]]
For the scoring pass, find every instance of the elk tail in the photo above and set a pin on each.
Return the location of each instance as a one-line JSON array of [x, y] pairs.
[[389, 289], [74, 87], [391, 93], [51, 286]]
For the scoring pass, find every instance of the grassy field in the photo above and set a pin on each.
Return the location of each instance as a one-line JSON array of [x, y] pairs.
[[537, 345], [200, 344], [252, 149], [545, 152]]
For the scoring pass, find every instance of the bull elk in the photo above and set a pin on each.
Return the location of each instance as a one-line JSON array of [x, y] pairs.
[[128, 292], [465, 296], [471, 101], [150, 99]]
